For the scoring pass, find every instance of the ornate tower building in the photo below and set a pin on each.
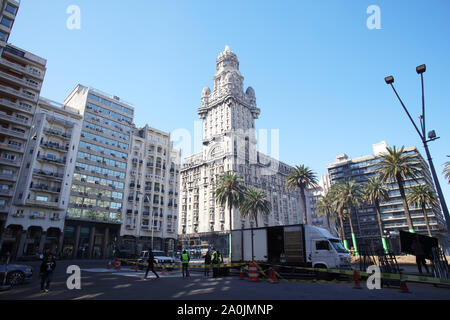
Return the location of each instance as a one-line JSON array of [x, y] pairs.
[[229, 144]]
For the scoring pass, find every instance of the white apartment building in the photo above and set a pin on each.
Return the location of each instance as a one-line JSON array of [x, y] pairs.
[[150, 214], [43, 187], [229, 144], [21, 77], [312, 196]]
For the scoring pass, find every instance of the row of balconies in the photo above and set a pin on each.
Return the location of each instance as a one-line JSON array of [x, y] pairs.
[[13, 133], [61, 161], [54, 146], [16, 106], [57, 133], [18, 120], [20, 93], [27, 70]]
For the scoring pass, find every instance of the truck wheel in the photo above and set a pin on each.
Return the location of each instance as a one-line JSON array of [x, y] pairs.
[[15, 278]]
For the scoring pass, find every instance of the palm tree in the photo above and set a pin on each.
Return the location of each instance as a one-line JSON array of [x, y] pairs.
[[302, 178], [374, 193], [447, 170], [255, 203], [338, 211], [349, 196], [421, 196], [324, 207], [230, 192], [397, 166]]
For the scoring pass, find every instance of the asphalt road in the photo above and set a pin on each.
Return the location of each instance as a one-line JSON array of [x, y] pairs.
[[99, 283]]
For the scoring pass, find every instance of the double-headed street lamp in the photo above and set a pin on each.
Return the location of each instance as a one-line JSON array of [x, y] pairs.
[[422, 133]]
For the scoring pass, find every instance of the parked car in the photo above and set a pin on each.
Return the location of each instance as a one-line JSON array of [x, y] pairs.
[[17, 274]]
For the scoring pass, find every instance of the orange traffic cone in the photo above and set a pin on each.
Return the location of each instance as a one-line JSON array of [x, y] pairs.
[[356, 279], [403, 286], [241, 274], [273, 276]]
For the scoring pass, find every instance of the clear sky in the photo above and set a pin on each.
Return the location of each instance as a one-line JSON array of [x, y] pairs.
[[317, 70]]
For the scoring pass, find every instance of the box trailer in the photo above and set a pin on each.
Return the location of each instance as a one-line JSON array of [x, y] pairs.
[[296, 245]]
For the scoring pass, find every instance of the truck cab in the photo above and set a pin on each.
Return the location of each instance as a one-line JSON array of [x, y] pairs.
[[323, 250]]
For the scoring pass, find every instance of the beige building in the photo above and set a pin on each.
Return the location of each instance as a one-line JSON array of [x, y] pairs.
[[150, 215], [229, 144], [37, 215]]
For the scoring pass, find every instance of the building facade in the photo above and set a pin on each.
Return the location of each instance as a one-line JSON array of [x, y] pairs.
[[312, 196], [8, 12], [150, 215], [21, 77], [392, 212], [229, 145], [94, 216], [37, 215]]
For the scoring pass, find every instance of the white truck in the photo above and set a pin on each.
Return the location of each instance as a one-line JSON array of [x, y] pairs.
[[295, 245]]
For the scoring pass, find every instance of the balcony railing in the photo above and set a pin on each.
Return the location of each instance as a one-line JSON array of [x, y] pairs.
[[48, 174], [57, 133], [55, 161], [14, 119], [55, 146], [12, 132]]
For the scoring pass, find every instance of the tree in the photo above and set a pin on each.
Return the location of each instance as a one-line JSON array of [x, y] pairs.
[[324, 207], [255, 202], [348, 195], [338, 211], [421, 196], [374, 193], [447, 170], [230, 192], [302, 178], [397, 166]]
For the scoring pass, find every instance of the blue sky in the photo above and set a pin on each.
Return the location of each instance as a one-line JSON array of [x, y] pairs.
[[315, 66]]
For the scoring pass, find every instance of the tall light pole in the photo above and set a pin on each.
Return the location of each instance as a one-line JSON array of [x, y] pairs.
[[425, 139]]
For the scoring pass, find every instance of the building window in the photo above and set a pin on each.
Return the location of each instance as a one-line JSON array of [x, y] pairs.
[[6, 22], [11, 9]]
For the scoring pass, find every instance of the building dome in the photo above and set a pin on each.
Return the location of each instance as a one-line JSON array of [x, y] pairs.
[[250, 92], [206, 92]]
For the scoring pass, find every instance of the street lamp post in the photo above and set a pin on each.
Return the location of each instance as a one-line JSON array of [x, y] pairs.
[[422, 133]]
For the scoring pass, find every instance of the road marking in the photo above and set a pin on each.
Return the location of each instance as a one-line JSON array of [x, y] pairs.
[[88, 296]]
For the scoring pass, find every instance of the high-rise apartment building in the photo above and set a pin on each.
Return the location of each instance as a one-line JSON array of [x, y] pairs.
[[21, 77], [94, 216], [8, 12], [229, 145], [150, 215], [36, 218], [392, 212]]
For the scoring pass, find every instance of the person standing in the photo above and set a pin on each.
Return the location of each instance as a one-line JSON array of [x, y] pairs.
[[150, 265], [48, 266], [207, 263], [185, 264], [420, 255], [214, 260]]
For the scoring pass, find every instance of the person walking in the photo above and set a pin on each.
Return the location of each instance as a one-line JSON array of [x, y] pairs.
[[150, 265], [48, 266], [419, 251], [207, 263], [185, 264]]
